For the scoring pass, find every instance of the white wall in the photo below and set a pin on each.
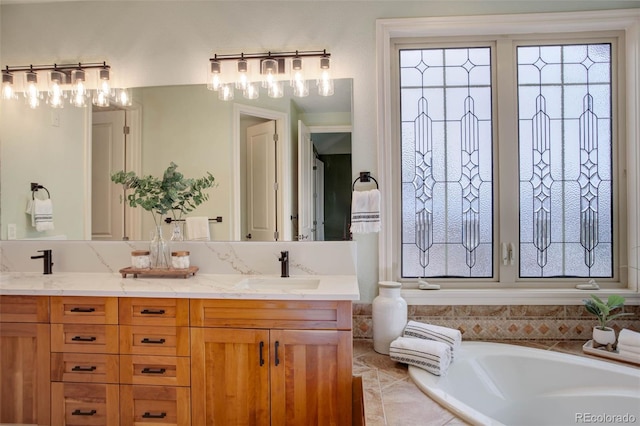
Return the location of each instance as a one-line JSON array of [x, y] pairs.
[[169, 42]]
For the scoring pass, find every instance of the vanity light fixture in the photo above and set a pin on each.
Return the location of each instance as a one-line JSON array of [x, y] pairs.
[[269, 70], [65, 81]]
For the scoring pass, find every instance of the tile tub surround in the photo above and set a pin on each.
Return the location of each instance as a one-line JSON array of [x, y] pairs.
[[510, 322], [391, 398]]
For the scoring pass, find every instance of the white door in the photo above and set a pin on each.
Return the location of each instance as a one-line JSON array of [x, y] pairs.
[[107, 156], [305, 183], [318, 197], [261, 182]]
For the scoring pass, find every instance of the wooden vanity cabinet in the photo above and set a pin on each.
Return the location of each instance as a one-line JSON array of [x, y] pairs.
[[271, 362], [24, 364]]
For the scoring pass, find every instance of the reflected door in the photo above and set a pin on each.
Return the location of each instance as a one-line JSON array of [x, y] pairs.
[[318, 199], [305, 183], [261, 182]]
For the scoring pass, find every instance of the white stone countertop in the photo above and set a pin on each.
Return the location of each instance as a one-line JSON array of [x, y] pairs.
[[199, 286]]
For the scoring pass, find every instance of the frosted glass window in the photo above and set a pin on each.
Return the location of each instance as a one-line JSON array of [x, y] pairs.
[[565, 150], [446, 165]]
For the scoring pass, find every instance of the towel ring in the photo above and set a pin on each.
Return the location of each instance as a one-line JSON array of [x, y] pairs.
[[35, 187], [364, 177]]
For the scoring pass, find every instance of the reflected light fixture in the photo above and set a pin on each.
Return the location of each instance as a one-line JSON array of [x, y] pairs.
[[65, 81], [269, 70]]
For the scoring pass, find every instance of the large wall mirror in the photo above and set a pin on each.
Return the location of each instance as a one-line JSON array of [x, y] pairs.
[[72, 152]]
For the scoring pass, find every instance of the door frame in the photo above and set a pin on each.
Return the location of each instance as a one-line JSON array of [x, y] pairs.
[[284, 204]]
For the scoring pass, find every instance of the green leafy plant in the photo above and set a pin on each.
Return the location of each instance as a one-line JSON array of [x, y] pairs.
[[173, 194], [602, 310]]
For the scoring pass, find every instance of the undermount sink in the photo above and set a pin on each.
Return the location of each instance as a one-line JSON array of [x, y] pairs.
[[276, 283]]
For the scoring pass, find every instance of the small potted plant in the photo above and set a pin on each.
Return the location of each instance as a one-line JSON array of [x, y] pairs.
[[603, 335]]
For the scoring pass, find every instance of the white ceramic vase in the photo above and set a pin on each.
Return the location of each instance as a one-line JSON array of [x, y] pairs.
[[389, 314], [604, 337]]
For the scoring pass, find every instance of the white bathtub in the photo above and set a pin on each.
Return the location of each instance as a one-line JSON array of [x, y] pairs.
[[500, 384]]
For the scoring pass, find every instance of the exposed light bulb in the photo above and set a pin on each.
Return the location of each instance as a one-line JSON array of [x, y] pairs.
[[252, 91], [124, 97], [7, 86], [275, 90], [31, 93], [325, 83], [243, 79], [56, 95], [100, 99], [79, 92], [103, 90], [298, 82], [269, 70], [214, 81], [225, 93]]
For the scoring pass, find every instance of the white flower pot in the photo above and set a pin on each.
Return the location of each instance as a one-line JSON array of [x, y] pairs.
[[604, 337]]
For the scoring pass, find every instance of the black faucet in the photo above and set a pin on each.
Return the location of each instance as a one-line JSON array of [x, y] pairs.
[[284, 264], [47, 260]]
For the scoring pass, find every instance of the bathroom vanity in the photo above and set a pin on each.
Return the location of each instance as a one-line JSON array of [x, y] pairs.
[[82, 348]]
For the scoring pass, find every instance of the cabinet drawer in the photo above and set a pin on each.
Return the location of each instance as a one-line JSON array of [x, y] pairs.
[[155, 370], [84, 338], [84, 404], [84, 310], [274, 314], [85, 368], [148, 340], [157, 405], [24, 309], [148, 311]]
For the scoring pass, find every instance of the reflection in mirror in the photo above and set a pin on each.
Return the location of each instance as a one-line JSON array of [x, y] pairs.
[[73, 151]]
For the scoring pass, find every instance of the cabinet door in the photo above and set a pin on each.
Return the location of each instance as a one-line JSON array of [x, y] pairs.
[[24, 373], [311, 377], [231, 374], [83, 404]]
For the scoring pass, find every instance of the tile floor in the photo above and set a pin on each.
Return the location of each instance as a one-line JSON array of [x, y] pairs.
[[391, 397]]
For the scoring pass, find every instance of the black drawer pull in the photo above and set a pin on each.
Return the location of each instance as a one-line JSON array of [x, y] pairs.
[[148, 415], [148, 370], [157, 342], [152, 311], [79, 368], [83, 339], [79, 412], [83, 310]]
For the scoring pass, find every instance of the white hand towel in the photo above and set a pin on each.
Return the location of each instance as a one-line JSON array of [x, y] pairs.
[[365, 211], [429, 355], [449, 336], [622, 348], [198, 228], [42, 214], [629, 338]]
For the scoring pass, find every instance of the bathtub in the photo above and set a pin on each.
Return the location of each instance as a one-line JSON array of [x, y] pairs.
[[501, 384]]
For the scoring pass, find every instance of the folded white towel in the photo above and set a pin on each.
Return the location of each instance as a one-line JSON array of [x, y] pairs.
[[634, 356], [41, 214], [629, 338], [198, 228], [449, 336], [628, 348], [429, 355], [365, 211]]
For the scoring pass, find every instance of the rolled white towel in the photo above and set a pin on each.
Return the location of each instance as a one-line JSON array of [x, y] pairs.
[[629, 338], [628, 349], [450, 336], [430, 355]]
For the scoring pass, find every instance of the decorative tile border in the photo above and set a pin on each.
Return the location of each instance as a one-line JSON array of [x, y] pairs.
[[510, 322]]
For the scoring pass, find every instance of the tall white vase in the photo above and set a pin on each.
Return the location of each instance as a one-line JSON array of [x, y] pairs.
[[389, 315]]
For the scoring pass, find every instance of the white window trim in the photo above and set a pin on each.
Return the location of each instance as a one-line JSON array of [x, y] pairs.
[[388, 29]]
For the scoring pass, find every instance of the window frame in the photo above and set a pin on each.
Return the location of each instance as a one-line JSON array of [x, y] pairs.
[[389, 31]]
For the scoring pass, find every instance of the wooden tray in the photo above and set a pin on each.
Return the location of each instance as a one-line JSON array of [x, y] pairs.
[[164, 273], [589, 349]]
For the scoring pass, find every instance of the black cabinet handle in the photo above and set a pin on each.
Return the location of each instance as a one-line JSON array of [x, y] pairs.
[[85, 310], [149, 415], [152, 312], [261, 356], [79, 412], [148, 370], [83, 339], [79, 368], [156, 342], [277, 359]]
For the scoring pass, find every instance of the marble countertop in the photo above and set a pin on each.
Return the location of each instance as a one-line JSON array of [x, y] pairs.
[[199, 286]]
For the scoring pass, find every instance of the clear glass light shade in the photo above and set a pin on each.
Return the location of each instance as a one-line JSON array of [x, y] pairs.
[[213, 79], [123, 97], [325, 83], [100, 99], [269, 71], [298, 82], [31, 92], [243, 78], [8, 91], [252, 91], [56, 95], [225, 93], [79, 92], [103, 87], [275, 90]]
